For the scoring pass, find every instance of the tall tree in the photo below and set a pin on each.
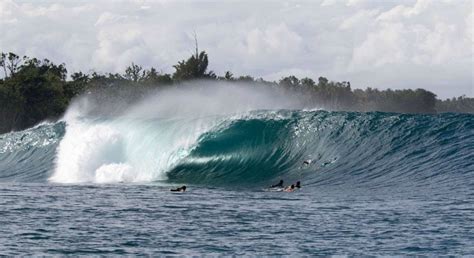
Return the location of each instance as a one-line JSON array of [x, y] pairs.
[[10, 62], [134, 73], [195, 67]]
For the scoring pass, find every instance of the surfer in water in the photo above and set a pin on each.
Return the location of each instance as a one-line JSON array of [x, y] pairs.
[[179, 189], [280, 184], [298, 185], [290, 188], [306, 163]]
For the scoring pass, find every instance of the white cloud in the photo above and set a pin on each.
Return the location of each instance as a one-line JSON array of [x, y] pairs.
[[385, 46], [358, 40], [355, 2], [276, 40], [328, 2], [108, 18], [402, 11], [360, 18], [424, 36], [470, 28]]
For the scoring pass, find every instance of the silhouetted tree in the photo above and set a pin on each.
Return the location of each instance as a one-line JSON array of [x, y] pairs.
[[246, 78], [460, 104], [10, 63], [152, 77], [194, 67], [134, 73], [290, 82]]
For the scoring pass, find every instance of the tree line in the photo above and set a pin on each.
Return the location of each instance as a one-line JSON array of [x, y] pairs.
[[34, 90]]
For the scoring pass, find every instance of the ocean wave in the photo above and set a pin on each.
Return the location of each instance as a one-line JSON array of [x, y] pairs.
[[249, 149]]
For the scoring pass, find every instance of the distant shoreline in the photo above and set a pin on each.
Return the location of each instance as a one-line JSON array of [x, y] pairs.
[[34, 90]]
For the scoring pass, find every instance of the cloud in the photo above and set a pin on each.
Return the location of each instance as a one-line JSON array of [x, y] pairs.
[[362, 41], [276, 40], [385, 46], [328, 2], [356, 2], [423, 37], [359, 19], [108, 18], [402, 11]]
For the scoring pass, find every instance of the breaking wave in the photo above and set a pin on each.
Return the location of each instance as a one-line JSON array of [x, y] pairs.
[[248, 146]]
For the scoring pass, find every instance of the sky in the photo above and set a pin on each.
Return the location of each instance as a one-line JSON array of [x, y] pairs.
[[371, 43]]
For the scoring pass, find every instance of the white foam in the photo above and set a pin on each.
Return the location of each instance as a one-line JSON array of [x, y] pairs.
[[114, 173], [123, 149], [148, 138], [84, 149]]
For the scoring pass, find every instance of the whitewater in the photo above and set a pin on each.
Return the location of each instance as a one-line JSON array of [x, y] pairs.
[[96, 181]]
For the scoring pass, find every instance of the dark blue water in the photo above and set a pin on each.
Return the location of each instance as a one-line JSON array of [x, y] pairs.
[[378, 184], [44, 219]]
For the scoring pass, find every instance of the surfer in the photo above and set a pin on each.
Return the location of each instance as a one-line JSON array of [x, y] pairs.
[[290, 188], [280, 184], [298, 185], [179, 189]]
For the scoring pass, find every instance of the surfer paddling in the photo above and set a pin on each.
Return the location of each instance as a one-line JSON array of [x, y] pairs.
[[279, 185], [293, 187], [298, 185], [179, 189], [290, 188]]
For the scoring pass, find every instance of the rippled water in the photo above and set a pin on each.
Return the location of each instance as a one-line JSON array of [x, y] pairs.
[[48, 219]]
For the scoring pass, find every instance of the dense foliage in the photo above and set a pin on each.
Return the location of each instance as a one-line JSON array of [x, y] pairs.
[[33, 90]]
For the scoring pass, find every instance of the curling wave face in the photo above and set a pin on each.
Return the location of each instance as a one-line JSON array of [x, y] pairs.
[[360, 149]]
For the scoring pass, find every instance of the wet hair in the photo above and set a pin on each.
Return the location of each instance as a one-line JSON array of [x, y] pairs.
[[292, 186], [183, 188], [298, 184]]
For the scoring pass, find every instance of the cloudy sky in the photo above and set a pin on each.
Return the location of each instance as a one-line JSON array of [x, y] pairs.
[[371, 43]]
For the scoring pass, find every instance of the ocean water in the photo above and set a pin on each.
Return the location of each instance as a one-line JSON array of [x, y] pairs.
[[377, 184], [48, 219]]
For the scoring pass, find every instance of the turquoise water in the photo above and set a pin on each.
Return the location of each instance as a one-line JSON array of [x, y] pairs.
[[378, 184]]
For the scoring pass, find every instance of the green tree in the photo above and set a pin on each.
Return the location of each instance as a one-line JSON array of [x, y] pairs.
[[32, 92], [228, 76], [154, 78], [41, 84], [194, 67], [246, 78], [10, 62], [134, 73], [290, 82], [77, 86]]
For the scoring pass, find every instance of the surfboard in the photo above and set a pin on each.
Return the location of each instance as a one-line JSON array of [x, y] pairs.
[[274, 189]]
